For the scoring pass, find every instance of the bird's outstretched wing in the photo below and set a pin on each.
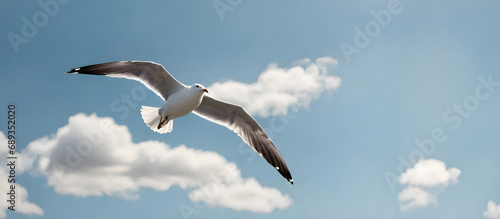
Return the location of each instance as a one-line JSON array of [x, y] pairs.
[[151, 74], [238, 120]]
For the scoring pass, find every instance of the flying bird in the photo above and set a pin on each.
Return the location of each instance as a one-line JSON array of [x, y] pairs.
[[180, 100]]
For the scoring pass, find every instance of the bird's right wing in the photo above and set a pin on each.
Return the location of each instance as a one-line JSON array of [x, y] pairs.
[[238, 120], [151, 74]]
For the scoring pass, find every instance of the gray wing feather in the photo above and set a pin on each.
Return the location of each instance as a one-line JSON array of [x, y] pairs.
[[238, 120], [151, 74]]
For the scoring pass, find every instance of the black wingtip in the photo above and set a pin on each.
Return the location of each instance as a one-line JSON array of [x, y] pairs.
[[291, 181], [73, 71]]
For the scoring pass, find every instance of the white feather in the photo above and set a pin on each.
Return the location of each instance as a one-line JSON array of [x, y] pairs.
[[151, 117]]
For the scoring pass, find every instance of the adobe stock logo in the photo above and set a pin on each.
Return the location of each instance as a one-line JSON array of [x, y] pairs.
[[29, 29], [223, 7], [372, 29]]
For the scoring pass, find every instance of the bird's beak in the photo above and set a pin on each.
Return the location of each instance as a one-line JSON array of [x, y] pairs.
[[204, 89]]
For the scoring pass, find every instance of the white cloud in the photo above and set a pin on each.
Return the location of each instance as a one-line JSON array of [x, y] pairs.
[[245, 194], [425, 180], [22, 205], [93, 156], [415, 197], [430, 173], [277, 90], [493, 210]]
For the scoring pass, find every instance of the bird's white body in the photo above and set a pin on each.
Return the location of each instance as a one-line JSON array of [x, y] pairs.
[[181, 103], [178, 104]]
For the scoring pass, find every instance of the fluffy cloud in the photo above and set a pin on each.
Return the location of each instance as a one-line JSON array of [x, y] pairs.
[[415, 197], [93, 156], [493, 210], [22, 204], [277, 90], [425, 180], [430, 173], [245, 194]]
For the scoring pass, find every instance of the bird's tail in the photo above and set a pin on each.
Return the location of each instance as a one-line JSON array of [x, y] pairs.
[[152, 118]]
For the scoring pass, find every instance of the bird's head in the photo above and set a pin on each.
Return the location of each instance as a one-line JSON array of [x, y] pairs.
[[199, 87]]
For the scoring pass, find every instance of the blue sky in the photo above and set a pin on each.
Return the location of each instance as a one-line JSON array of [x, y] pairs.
[[339, 146]]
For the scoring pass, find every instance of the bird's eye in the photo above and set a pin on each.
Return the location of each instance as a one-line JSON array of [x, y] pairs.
[[197, 85]]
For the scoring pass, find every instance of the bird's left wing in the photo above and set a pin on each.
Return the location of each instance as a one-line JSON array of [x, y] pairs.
[[238, 120], [151, 74]]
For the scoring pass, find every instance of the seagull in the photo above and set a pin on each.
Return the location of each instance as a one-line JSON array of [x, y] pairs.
[[180, 100]]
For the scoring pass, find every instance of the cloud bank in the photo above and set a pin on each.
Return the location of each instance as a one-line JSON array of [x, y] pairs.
[[251, 196], [430, 173], [412, 197], [493, 210], [278, 90], [22, 205], [425, 180], [93, 156]]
